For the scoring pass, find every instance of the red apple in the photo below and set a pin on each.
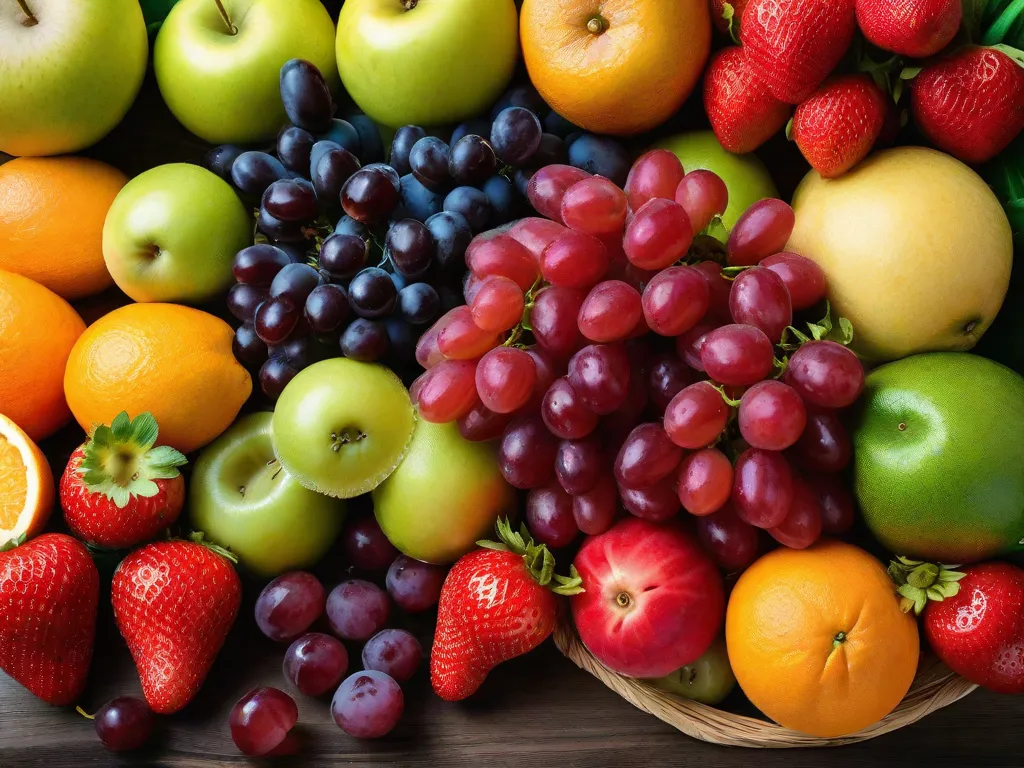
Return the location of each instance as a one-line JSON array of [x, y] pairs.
[[654, 600]]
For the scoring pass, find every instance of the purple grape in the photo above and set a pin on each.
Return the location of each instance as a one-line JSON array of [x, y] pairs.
[[249, 349], [357, 609], [428, 161], [295, 282], [515, 135], [315, 663], [394, 652], [220, 159], [243, 299], [419, 303], [124, 723], [289, 604], [343, 133], [258, 264], [367, 705], [305, 95], [275, 319], [410, 247], [293, 148], [414, 586], [253, 172], [290, 200], [275, 375], [372, 293], [277, 230], [343, 256], [370, 194], [364, 340], [365, 546], [329, 170], [401, 146], [327, 308], [471, 161], [473, 204]]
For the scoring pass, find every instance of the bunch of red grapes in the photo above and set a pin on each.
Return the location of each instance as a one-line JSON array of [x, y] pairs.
[[624, 356]]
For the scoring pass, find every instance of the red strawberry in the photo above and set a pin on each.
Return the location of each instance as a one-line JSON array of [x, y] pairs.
[[743, 114], [970, 104], [915, 28], [496, 604], [174, 602], [49, 590], [837, 126], [118, 490], [793, 45]]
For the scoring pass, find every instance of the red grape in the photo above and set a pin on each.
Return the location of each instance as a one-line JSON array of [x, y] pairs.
[[501, 255], [666, 378], [124, 723], [448, 391], [289, 604], [548, 186], [696, 416], [802, 526], [472, 284], [553, 319], [610, 312], [617, 425], [763, 229], [737, 355], [579, 464], [459, 338], [549, 516], [505, 378], [413, 585], [690, 344], [535, 234], [574, 260], [315, 663], [658, 235], [835, 500], [260, 720], [364, 544], [824, 445], [762, 488], [655, 174], [395, 652], [704, 195], [719, 287], [480, 424], [497, 303], [825, 374], [803, 278], [357, 609], [276, 318], [675, 300], [547, 371], [594, 206], [600, 374], [733, 543], [656, 502], [595, 510], [527, 453], [646, 457], [771, 416], [427, 352], [705, 481], [367, 705], [760, 298], [565, 413]]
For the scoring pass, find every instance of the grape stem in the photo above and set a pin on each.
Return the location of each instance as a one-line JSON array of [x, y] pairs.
[[232, 29], [85, 714], [30, 20]]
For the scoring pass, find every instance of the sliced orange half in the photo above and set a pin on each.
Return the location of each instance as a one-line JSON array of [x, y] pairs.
[[26, 484]]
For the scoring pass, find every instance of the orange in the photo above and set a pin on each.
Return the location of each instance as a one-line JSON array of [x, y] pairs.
[[51, 221], [175, 362], [817, 640], [37, 331], [26, 484], [615, 66]]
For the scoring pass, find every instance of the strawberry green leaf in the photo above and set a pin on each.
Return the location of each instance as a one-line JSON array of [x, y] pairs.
[[1015, 54], [145, 430], [121, 428], [909, 73], [789, 129]]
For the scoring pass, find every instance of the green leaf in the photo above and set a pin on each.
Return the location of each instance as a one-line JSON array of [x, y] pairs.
[[717, 229], [165, 458], [121, 428], [1015, 54], [923, 576], [950, 576], [909, 73], [947, 588], [897, 91], [973, 11], [789, 129], [547, 568], [144, 430], [1004, 26], [935, 594]]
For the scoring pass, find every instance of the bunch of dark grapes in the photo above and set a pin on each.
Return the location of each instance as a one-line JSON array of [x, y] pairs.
[[627, 359]]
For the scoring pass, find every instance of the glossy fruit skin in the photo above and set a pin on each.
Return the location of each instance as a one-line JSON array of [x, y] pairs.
[[914, 28], [641, 633], [708, 680], [289, 605], [760, 298], [124, 723], [261, 719], [315, 663], [357, 609], [368, 704], [743, 112], [174, 602], [825, 374], [763, 487], [783, 628], [979, 632], [771, 416], [49, 592]]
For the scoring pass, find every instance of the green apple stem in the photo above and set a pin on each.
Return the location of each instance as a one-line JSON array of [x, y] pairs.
[[232, 29], [30, 20], [409, 4]]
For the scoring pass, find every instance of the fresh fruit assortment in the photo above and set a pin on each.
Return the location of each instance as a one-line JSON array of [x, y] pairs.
[[476, 313]]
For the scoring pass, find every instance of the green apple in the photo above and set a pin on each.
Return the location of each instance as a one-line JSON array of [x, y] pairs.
[[426, 62], [172, 232], [223, 82], [243, 499], [69, 71], [445, 496], [708, 680], [341, 426], [745, 175]]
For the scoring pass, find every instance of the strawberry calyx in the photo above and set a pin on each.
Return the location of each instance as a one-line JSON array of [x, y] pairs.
[[7, 546], [120, 461], [918, 581], [198, 537], [537, 558]]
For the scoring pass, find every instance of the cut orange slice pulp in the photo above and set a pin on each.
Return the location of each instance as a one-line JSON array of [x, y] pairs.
[[26, 484]]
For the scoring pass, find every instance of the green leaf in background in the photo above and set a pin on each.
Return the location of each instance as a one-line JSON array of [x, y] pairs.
[[973, 14], [154, 12], [1003, 24], [1005, 174]]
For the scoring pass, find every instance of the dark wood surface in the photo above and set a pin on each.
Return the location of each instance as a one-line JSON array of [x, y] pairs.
[[539, 710]]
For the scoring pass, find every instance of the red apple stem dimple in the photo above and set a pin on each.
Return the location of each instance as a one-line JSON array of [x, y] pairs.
[[30, 20], [232, 29]]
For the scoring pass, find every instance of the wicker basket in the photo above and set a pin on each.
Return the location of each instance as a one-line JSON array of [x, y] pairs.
[[934, 687]]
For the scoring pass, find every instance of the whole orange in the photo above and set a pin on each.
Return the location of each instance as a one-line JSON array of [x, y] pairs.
[[37, 331], [615, 66], [51, 221], [175, 362], [817, 640]]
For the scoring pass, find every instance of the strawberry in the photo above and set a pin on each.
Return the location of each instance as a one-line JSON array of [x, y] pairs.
[[837, 126], [174, 602], [118, 490], [971, 103], [793, 45], [496, 603], [915, 28], [49, 591], [743, 114]]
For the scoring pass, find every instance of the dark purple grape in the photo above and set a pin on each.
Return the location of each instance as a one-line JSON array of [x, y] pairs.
[[343, 133], [556, 124], [293, 148], [472, 204], [369, 138], [320, 148], [124, 723], [428, 161], [220, 159], [372, 294], [305, 95], [552, 151], [394, 652], [478, 126], [290, 200], [419, 303], [401, 146], [418, 202], [275, 319], [388, 171], [602, 156], [399, 280], [501, 194], [327, 308], [369, 195], [515, 135], [281, 231], [521, 179], [414, 586], [452, 234], [249, 349], [364, 340], [275, 375], [297, 252], [525, 96], [253, 172], [243, 299], [364, 544], [295, 282], [295, 350], [332, 169], [348, 226], [410, 247], [472, 160], [258, 264], [343, 256]]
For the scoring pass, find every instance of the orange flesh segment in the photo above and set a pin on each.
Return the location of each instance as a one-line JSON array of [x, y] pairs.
[[13, 484]]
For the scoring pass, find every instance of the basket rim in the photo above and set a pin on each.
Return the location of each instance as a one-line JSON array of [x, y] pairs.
[[935, 686]]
